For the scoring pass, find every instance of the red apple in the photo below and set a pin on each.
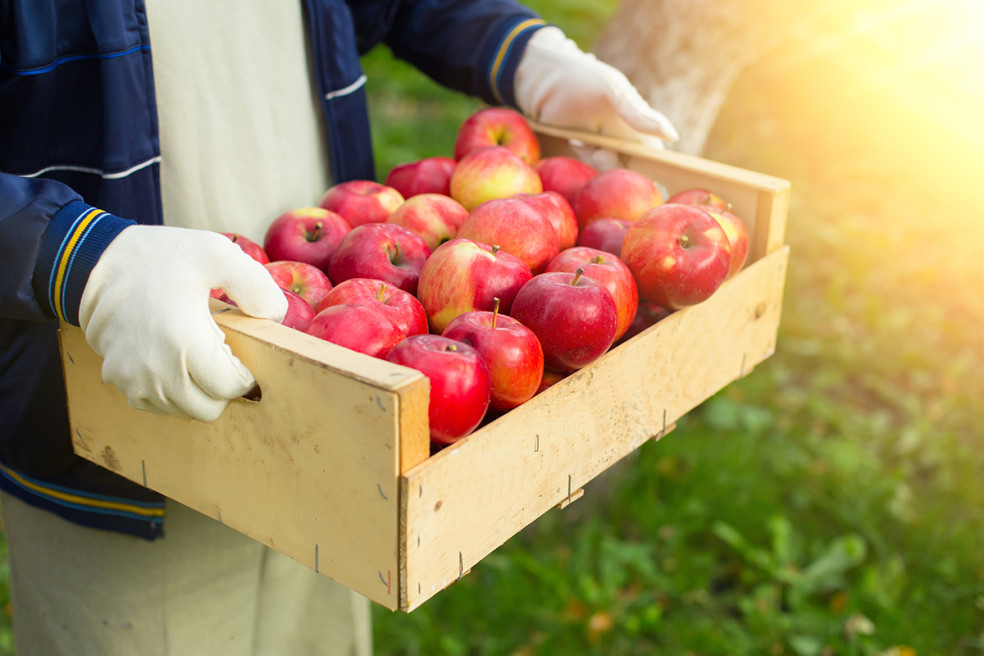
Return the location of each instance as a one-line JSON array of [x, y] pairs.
[[384, 251], [605, 234], [679, 255], [565, 175], [737, 233], [460, 384], [305, 234], [551, 378], [401, 307], [558, 211], [435, 217], [299, 311], [306, 280], [357, 326], [516, 227], [698, 196], [647, 315], [498, 126], [610, 271], [249, 246], [431, 175], [573, 316], [616, 193], [510, 349], [361, 201], [492, 172], [462, 275]]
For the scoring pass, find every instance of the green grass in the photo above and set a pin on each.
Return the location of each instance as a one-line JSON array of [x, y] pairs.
[[830, 502]]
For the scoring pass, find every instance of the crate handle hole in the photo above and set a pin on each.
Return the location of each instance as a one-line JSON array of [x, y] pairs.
[[254, 395]]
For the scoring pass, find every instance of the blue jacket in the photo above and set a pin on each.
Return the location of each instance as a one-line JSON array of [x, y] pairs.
[[79, 162]]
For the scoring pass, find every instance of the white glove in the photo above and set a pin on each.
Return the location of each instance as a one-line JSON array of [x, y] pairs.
[[556, 83], [145, 310]]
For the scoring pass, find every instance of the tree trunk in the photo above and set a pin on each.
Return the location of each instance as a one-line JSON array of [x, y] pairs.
[[684, 55]]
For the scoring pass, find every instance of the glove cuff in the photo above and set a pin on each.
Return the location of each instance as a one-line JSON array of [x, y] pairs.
[[71, 246]]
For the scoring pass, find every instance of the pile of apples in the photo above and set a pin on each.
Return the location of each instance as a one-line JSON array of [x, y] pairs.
[[495, 272]]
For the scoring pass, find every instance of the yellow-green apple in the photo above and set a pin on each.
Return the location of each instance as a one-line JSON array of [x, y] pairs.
[[384, 251], [435, 217], [460, 384], [462, 275], [492, 172], [698, 196], [605, 234], [305, 234], [498, 126], [679, 255], [249, 246], [402, 307], [559, 212], [430, 175], [737, 233], [516, 227], [573, 316], [361, 201], [564, 174], [647, 315], [617, 193], [357, 326], [306, 280], [510, 349], [610, 271]]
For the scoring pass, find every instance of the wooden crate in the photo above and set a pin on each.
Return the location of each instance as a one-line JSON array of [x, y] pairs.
[[332, 467]]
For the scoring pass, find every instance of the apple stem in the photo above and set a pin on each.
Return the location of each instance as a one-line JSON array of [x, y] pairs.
[[599, 259], [577, 276], [495, 248], [235, 238], [452, 347], [379, 293], [684, 241], [495, 310], [317, 230]]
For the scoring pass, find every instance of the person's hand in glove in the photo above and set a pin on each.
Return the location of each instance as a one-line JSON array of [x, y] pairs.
[[145, 310], [556, 83]]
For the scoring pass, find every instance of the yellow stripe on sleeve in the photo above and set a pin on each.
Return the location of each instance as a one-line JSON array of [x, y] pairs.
[[504, 50], [66, 257], [83, 501]]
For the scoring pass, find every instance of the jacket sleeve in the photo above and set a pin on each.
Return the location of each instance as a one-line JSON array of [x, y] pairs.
[[472, 46], [49, 241]]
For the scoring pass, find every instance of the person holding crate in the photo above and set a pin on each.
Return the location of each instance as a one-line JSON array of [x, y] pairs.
[[131, 132]]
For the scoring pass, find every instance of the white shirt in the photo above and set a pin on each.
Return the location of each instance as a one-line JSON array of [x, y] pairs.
[[242, 136]]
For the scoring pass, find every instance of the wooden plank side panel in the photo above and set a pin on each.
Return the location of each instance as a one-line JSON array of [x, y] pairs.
[[312, 469], [470, 498]]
